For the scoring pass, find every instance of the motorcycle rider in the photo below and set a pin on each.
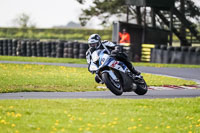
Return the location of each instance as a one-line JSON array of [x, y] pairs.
[[112, 49]]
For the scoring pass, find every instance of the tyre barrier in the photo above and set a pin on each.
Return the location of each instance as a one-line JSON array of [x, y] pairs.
[[65, 55], [70, 50], [146, 52], [23, 48], [59, 49], [28, 48], [14, 46], [18, 48], [39, 49], [36, 48], [47, 49], [82, 50], [33, 49], [1, 47], [175, 55], [156, 54], [9, 47], [165, 54], [53, 49], [5, 47], [76, 47]]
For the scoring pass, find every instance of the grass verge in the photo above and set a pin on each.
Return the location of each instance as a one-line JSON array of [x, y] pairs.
[[43, 59], [83, 61], [166, 65], [100, 116], [25, 78]]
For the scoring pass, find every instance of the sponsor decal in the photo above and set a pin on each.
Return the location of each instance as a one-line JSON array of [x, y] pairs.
[[122, 65], [114, 63]]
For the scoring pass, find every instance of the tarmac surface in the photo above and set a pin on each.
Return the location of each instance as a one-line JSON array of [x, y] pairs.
[[185, 73], [151, 94]]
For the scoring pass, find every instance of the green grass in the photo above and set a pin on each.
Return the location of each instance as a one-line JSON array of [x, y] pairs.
[[166, 65], [22, 78], [100, 116], [43, 59], [83, 61]]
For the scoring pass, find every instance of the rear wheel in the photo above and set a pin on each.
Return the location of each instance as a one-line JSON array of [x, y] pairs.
[[113, 85]]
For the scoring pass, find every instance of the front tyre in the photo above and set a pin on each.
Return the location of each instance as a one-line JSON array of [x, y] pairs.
[[114, 86], [141, 88]]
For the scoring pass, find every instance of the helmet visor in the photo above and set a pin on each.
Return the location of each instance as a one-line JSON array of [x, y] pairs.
[[94, 45]]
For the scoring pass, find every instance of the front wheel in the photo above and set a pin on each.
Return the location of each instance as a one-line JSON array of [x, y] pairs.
[[114, 86], [141, 87]]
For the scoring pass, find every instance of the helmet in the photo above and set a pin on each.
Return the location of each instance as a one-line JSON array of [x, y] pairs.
[[94, 41]]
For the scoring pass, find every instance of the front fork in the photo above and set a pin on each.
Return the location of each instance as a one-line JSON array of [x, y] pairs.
[[98, 79]]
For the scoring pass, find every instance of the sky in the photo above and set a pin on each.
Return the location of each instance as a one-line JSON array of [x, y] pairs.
[[45, 13]]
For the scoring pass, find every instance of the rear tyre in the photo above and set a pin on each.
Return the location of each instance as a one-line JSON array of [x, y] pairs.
[[113, 86], [141, 88]]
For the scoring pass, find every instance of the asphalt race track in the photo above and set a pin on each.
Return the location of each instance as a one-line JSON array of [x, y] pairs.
[[102, 94], [186, 73]]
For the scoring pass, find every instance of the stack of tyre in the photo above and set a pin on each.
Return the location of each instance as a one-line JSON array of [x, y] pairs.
[[9, 47], [175, 55], [39, 49], [70, 50], [5, 47], [35, 48], [76, 47], [1, 47], [14, 47], [53, 49], [59, 49], [48, 49], [83, 49]]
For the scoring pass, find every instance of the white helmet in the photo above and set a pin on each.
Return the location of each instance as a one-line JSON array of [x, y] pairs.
[[94, 41]]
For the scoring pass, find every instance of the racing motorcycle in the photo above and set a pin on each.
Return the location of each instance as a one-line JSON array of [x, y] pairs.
[[115, 74]]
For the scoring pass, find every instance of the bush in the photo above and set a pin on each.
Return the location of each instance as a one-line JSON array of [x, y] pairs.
[[67, 34]]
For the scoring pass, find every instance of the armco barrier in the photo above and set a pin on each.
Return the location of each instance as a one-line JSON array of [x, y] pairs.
[[37, 48], [175, 55]]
